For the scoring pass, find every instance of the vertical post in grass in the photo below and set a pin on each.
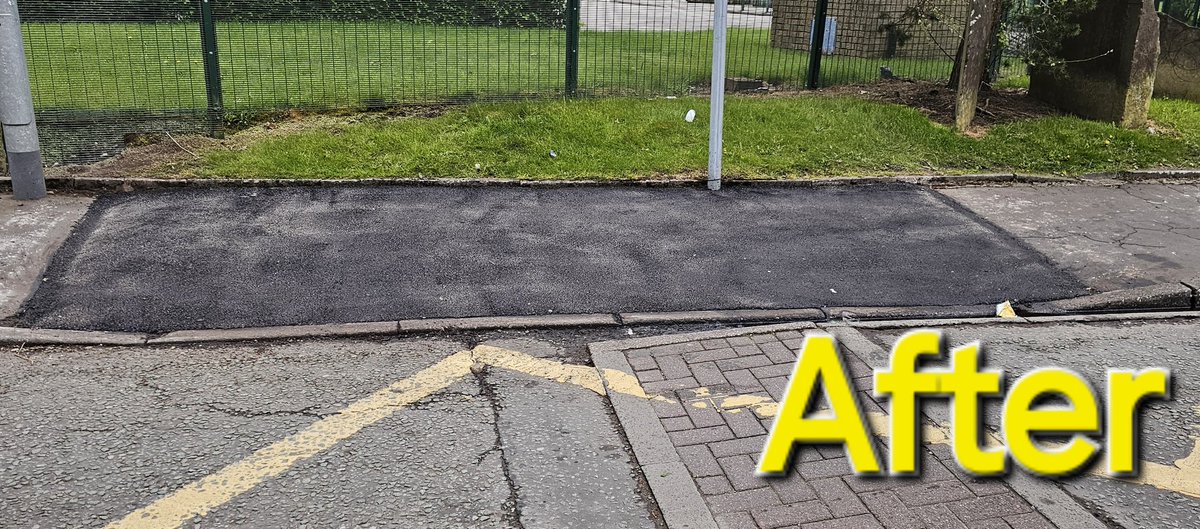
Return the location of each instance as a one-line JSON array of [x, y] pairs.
[[716, 101], [212, 70], [16, 110], [572, 84], [817, 49]]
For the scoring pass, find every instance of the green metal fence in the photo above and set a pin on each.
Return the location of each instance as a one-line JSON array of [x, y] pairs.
[[108, 73]]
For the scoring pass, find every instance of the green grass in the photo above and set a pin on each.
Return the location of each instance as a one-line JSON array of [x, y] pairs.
[[629, 138], [340, 64]]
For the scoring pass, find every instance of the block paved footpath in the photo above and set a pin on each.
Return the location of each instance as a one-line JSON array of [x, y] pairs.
[[718, 441]]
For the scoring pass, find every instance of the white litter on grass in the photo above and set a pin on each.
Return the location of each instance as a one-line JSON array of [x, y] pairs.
[[832, 290], [553, 154], [691, 116]]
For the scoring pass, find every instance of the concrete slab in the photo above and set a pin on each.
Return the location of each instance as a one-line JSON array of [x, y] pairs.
[[30, 232], [1116, 237], [167, 260]]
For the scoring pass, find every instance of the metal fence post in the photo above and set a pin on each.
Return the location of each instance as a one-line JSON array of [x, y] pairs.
[[817, 49], [16, 110], [716, 105], [212, 70], [572, 84]]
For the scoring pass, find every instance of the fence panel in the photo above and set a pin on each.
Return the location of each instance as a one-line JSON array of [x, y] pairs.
[[110, 73]]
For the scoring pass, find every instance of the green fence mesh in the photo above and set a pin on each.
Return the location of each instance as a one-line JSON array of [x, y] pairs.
[[106, 72]]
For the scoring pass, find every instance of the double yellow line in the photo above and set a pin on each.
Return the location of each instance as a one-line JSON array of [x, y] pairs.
[[201, 496]]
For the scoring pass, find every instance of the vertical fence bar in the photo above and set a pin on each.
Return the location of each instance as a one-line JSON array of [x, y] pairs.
[[817, 48], [572, 84], [716, 105], [212, 70]]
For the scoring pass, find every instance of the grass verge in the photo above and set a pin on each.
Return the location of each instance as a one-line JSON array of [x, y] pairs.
[[766, 137]]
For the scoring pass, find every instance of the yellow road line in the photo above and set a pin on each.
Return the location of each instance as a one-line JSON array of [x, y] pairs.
[[201, 496]]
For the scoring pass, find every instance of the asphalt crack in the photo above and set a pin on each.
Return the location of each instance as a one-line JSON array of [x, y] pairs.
[[512, 505]]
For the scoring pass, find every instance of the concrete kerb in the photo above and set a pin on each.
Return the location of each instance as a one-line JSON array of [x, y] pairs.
[[112, 184], [902, 317], [1163, 296]]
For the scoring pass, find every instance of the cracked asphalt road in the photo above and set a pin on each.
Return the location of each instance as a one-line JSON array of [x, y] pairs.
[[88, 435], [1111, 237]]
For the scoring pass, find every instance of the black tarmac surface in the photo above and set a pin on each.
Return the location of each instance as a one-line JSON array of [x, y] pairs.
[[220, 258]]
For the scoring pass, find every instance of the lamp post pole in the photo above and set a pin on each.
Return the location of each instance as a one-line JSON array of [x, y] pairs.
[[16, 110]]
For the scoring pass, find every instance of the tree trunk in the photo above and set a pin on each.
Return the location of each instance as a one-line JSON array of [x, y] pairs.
[[972, 63]]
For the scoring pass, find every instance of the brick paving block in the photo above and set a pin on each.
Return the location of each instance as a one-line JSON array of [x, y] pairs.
[[675, 349], [707, 373], [743, 422], [866, 384], [763, 338], [699, 461], [718, 343], [743, 362], [740, 340], [775, 387], [890, 511], [794, 344], [939, 516], [994, 523], [842, 501], [663, 387], [747, 350], [739, 470], [705, 416], [926, 493], [739, 446], [862, 485], [642, 363], [667, 408], [735, 520], [713, 485], [710, 355], [1031, 520], [830, 451], [996, 506], [673, 366], [981, 486], [742, 500], [793, 488], [824, 468], [791, 514], [637, 353], [650, 375], [700, 435], [778, 353], [773, 370], [742, 380], [857, 367], [862, 521], [672, 424], [788, 335]]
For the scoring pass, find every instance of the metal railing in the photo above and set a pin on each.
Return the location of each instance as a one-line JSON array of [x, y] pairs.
[[109, 73]]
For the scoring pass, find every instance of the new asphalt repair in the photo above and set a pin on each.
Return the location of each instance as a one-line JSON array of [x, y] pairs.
[[162, 260]]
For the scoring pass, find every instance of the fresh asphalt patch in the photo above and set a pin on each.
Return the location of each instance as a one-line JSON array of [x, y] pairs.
[[243, 257]]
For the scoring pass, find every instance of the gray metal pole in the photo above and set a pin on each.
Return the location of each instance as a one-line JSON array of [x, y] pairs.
[[16, 110], [716, 119]]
